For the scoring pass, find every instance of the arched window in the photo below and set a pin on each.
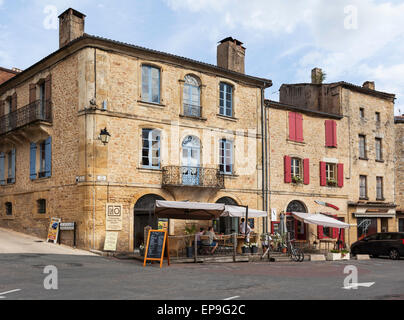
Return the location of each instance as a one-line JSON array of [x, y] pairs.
[[226, 225], [296, 206], [192, 96]]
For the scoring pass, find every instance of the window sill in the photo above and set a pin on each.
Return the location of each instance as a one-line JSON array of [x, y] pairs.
[[44, 216], [364, 199], [38, 180], [229, 175], [7, 218], [381, 199], [300, 143], [151, 104], [193, 118], [380, 161], [227, 117], [152, 170], [365, 159]]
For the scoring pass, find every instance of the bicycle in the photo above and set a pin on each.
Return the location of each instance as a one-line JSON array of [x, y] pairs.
[[296, 254]]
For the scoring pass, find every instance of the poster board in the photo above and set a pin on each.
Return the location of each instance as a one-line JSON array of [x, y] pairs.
[[113, 217], [53, 231], [111, 240], [157, 247]]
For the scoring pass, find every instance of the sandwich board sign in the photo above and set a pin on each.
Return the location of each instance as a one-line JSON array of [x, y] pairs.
[[157, 247], [111, 240], [53, 231]]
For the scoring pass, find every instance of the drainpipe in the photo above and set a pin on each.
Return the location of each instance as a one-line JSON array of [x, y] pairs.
[[264, 153]]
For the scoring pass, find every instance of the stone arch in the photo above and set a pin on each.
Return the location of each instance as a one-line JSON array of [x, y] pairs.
[[226, 225]]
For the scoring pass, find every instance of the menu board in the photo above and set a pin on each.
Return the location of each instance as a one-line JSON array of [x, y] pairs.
[[157, 245], [53, 231]]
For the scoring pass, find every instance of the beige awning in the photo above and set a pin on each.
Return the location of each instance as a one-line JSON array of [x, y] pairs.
[[239, 212], [188, 210], [375, 215], [320, 220]]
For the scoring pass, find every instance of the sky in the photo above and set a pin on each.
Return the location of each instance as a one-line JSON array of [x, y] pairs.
[[351, 40]]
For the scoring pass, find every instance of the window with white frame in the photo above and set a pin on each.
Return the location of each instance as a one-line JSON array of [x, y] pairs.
[[226, 156], [296, 168], [226, 100], [363, 190], [150, 84], [192, 96], [151, 148], [379, 188]]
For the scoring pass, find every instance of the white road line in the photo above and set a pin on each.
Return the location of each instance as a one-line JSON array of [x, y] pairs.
[[4, 293], [357, 285], [231, 298]]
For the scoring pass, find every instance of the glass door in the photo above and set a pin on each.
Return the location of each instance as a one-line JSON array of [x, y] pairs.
[[191, 161]]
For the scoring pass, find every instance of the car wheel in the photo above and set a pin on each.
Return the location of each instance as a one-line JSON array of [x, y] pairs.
[[355, 252], [394, 254]]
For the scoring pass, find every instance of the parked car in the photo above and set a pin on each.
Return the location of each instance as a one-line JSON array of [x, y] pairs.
[[381, 244]]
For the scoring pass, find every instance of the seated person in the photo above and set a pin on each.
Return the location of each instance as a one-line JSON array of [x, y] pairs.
[[198, 236], [210, 242]]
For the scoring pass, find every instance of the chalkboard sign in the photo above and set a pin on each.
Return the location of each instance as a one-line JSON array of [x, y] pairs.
[[157, 246]]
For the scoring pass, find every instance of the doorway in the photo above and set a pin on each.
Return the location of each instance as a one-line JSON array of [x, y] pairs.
[[297, 229]]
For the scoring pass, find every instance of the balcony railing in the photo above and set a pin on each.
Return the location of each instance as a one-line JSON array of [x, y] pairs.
[[191, 110], [35, 111], [193, 177]]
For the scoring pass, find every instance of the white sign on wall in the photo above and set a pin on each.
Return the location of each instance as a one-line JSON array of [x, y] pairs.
[[113, 220], [273, 215]]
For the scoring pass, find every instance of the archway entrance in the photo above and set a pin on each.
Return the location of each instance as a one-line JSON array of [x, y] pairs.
[[226, 225], [297, 229], [144, 216]]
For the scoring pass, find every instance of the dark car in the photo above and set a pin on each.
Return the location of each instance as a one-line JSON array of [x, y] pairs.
[[381, 244]]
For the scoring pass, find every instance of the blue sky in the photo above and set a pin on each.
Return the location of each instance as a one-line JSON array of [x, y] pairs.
[[351, 40]]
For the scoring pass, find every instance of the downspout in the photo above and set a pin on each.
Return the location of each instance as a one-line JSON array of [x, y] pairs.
[[263, 156], [94, 154]]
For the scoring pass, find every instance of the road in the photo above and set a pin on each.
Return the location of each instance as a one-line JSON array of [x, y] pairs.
[[84, 276]]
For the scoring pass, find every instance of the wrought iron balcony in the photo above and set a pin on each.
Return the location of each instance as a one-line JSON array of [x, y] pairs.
[[35, 111], [192, 177], [191, 110]]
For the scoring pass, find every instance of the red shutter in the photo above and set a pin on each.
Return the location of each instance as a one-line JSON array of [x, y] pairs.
[[306, 171], [328, 133], [299, 127], [323, 174], [288, 169], [320, 233], [334, 134], [32, 93], [335, 233], [340, 173], [292, 126], [14, 102]]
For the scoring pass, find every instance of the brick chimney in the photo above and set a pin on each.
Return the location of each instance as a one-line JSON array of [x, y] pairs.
[[317, 76], [369, 85], [71, 26], [231, 55]]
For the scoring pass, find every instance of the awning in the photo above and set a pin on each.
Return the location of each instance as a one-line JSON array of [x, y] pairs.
[[188, 210], [375, 215], [320, 220], [239, 212]]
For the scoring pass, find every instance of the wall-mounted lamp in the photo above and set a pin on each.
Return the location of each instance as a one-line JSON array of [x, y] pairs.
[[104, 136]]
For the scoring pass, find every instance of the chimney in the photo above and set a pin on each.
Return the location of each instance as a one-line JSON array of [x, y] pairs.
[[317, 76], [71, 26], [369, 85], [231, 55]]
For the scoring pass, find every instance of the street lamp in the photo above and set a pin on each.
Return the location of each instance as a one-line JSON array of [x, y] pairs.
[[104, 136]]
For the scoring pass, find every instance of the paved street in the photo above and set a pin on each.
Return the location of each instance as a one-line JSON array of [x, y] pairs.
[[85, 276]]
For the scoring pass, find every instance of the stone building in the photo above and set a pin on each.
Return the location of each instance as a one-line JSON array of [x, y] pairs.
[[399, 130], [180, 130], [357, 122]]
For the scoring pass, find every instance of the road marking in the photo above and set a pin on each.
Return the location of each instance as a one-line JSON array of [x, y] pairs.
[[2, 295], [357, 285], [231, 298]]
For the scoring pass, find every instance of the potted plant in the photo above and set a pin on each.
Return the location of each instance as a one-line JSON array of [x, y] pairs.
[[254, 247], [331, 182], [334, 255], [189, 232], [345, 255], [296, 179], [246, 248]]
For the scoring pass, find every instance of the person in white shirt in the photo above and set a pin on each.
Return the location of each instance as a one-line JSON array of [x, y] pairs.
[[242, 229]]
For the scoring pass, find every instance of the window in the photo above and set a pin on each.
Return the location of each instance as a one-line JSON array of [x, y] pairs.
[[7, 167], [150, 84], [151, 148], [42, 98], [379, 153], [192, 97], [226, 156], [226, 100], [362, 147], [42, 161], [41, 204], [9, 209], [295, 127], [331, 169], [8, 106], [363, 190], [379, 188], [362, 113], [377, 118], [296, 169]]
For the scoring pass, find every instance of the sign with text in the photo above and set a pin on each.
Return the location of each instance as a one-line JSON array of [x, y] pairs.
[[113, 217], [157, 247], [53, 231], [67, 226], [111, 240]]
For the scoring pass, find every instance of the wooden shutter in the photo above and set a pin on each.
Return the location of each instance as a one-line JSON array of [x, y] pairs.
[[2, 158], [340, 173], [48, 95], [320, 232], [32, 93], [14, 102], [288, 169], [334, 134], [299, 127], [323, 174], [328, 133], [32, 162], [306, 171], [2, 107], [48, 157], [12, 166], [292, 126]]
